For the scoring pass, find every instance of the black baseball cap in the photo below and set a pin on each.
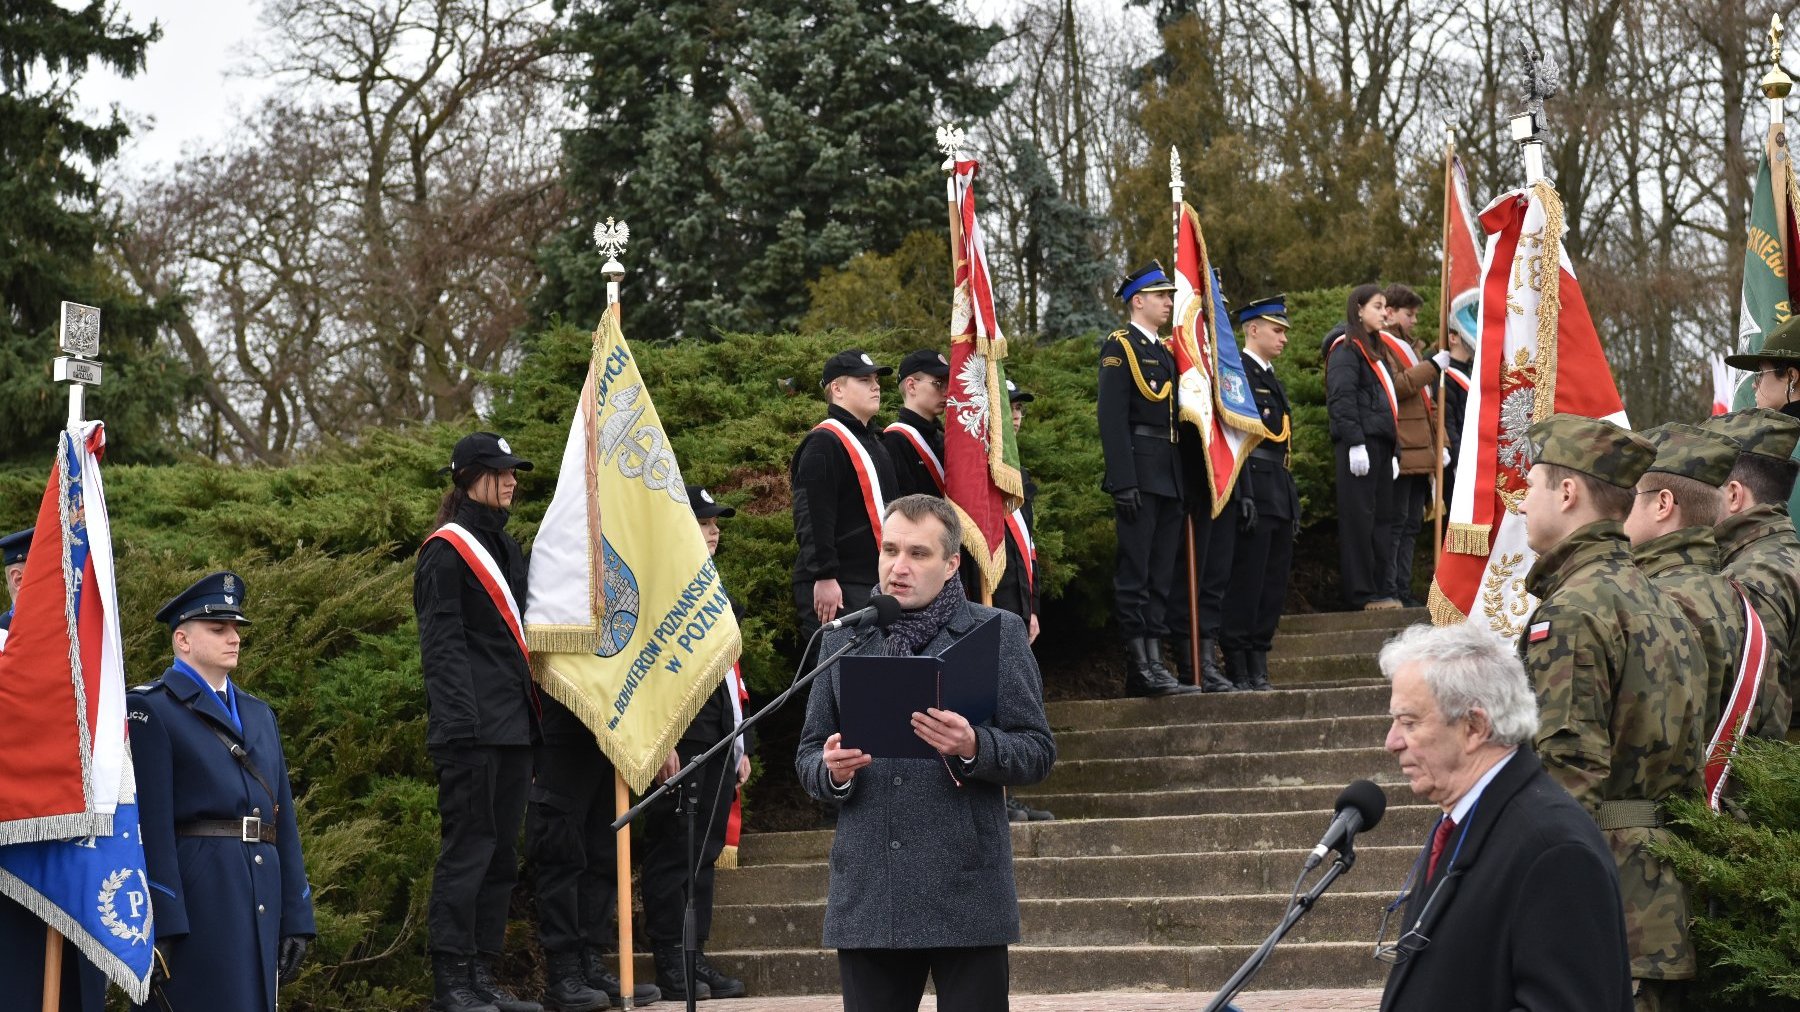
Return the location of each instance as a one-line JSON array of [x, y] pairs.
[[705, 506], [852, 362], [1014, 395], [927, 361], [488, 450]]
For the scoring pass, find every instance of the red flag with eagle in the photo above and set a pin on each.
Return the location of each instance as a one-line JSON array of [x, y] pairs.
[[981, 455]]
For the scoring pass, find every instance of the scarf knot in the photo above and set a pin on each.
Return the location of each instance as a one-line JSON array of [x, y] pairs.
[[913, 629]]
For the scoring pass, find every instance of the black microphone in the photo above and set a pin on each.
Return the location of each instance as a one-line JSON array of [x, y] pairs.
[[881, 613], [1359, 807]]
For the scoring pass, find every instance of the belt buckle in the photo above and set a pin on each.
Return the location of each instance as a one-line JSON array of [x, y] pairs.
[[252, 831]]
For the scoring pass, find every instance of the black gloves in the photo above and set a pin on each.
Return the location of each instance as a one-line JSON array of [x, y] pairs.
[[1246, 514], [1125, 504], [159, 965], [287, 961]]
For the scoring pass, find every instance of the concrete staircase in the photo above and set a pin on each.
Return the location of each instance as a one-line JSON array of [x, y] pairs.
[[1181, 826]]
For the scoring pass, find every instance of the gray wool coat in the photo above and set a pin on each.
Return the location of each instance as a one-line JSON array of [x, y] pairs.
[[918, 862]]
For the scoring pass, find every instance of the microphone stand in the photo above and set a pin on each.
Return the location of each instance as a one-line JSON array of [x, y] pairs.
[[1296, 910], [688, 804]]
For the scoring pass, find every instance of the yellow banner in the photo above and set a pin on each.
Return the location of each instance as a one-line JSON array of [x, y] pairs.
[[626, 617]]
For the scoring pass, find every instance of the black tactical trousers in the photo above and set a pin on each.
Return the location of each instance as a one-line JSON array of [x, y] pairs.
[[1411, 493], [481, 798], [665, 838], [569, 839], [856, 595], [1260, 564], [1148, 554], [1365, 524]]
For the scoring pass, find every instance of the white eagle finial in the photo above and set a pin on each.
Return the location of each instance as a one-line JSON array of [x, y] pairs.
[[611, 237]]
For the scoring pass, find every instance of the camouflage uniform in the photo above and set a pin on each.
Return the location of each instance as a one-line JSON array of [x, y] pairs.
[[1618, 676]]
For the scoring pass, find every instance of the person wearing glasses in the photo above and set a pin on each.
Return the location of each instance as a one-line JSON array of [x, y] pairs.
[[1513, 901]]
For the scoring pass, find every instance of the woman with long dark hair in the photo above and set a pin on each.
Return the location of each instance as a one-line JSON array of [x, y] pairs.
[[1364, 385]]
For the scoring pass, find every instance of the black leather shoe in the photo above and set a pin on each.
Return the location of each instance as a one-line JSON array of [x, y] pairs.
[[593, 967], [481, 978], [566, 988], [451, 988], [671, 978], [720, 985], [1019, 811]]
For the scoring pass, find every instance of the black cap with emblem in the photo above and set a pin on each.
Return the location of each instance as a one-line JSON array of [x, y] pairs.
[[16, 546], [705, 506], [852, 362], [488, 450], [217, 598], [931, 363]]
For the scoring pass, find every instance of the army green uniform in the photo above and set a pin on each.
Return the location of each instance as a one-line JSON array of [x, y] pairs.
[[1618, 673]]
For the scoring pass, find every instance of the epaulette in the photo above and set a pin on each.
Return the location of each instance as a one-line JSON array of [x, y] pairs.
[[1124, 349], [146, 687]]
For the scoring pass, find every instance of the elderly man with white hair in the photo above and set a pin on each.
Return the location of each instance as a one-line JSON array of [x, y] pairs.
[[1513, 902]]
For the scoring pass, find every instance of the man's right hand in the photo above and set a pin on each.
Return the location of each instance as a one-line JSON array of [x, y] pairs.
[[841, 764], [1125, 503], [828, 598]]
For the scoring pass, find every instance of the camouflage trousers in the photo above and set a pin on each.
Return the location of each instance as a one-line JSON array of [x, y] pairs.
[[1658, 995]]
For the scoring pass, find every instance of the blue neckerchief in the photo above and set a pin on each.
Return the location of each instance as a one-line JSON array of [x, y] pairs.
[[6, 619], [228, 698]]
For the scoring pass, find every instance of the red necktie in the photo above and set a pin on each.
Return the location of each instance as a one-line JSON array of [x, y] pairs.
[[1438, 839]]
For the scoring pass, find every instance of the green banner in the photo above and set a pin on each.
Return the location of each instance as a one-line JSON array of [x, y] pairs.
[[1765, 299]]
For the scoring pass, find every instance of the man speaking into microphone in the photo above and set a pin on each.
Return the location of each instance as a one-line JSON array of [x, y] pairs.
[[1513, 902], [921, 868]]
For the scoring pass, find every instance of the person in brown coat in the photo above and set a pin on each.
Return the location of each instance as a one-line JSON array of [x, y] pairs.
[[1417, 426]]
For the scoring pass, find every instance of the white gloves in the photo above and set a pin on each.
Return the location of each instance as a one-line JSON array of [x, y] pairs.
[[1359, 460], [1396, 468], [1442, 358], [1446, 456]]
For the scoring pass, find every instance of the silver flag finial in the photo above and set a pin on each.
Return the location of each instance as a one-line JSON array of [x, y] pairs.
[[1542, 74], [950, 139]]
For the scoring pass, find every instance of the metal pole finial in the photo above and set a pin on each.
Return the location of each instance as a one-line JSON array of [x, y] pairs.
[[950, 140], [1543, 78], [611, 238], [1775, 84], [79, 339]]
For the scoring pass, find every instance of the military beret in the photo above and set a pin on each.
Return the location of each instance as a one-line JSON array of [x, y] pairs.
[[16, 546], [1693, 452], [852, 362], [705, 506], [1760, 431], [218, 598], [1593, 446], [1149, 278], [1779, 345], [927, 361]]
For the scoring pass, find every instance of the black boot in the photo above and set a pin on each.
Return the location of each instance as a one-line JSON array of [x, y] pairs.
[[671, 975], [1212, 677], [481, 977], [720, 985], [566, 987], [1181, 653], [1153, 652], [451, 987], [1140, 678], [1259, 671], [593, 967], [1239, 671]]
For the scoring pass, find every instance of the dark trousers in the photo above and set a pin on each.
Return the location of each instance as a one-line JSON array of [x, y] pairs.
[[1411, 492], [665, 838], [1215, 541], [893, 980], [1260, 565], [1146, 565], [1365, 524], [481, 799], [856, 595], [569, 839]]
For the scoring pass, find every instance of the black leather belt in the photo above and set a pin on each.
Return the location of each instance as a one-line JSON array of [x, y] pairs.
[[1276, 452], [248, 829], [1152, 432]]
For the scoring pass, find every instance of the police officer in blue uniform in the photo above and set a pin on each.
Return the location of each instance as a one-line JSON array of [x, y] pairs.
[[221, 846], [1139, 426], [14, 547], [1265, 507]]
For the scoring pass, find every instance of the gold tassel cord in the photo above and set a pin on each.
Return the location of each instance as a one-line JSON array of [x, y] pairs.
[[1549, 284]]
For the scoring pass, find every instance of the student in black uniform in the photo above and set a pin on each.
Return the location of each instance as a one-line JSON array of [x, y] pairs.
[[483, 719], [842, 479], [14, 548], [1018, 590], [665, 834], [1267, 507], [915, 440], [1138, 432]]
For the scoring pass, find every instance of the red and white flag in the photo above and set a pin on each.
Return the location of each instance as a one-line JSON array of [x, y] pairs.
[[981, 454], [1537, 355], [1462, 254]]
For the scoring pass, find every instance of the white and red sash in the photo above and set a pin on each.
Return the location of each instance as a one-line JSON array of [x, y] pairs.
[[1381, 373], [1458, 378], [1738, 709], [917, 439], [865, 473], [1403, 350], [487, 571], [1015, 522]]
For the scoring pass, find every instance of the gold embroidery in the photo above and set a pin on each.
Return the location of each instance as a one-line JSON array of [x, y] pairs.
[[1507, 620]]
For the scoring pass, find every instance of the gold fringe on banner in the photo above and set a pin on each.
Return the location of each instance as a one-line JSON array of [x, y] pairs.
[[1469, 539], [1442, 611], [728, 858], [561, 639]]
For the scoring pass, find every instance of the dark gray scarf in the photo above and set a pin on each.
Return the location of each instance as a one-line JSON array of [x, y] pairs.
[[913, 629]]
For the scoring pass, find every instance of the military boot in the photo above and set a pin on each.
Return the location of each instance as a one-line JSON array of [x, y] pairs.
[[481, 977], [671, 975], [1153, 653], [1259, 671], [566, 988], [1212, 677], [720, 985], [1238, 668], [1140, 679], [599, 977], [451, 987]]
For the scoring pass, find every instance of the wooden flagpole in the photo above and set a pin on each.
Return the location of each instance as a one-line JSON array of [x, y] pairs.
[[950, 139], [53, 953], [1437, 443], [1187, 520]]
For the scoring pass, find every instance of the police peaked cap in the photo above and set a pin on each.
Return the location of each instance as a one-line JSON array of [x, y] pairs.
[[1149, 278], [216, 598], [16, 545], [705, 506]]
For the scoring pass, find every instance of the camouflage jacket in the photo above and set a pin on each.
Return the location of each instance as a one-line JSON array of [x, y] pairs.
[[1684, 565], [1759, 549], [1619, 676]]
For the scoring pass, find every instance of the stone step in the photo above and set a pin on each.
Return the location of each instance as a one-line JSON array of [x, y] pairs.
[[1141, 920], [1235, 769], [1345, 641], [1059, 969], [1206, 800], [1172, 834], [1341, 621], [1204, 707], [1195, 874], [1334, 667], [1222, 736]]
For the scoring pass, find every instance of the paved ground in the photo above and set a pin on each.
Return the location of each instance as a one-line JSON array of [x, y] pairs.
[[1113, 1001]]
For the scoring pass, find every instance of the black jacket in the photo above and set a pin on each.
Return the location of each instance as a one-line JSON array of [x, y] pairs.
[[911, 473], [714, 721], [1132, 426], [1528, 916], [477, 685], [1016, 593], [1456, 402], [831, 521], [1355, 400], [1269, 483]]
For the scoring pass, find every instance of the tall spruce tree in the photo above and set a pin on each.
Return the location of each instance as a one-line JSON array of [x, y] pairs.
[[53, 231], [1059, 252], [750, 147]]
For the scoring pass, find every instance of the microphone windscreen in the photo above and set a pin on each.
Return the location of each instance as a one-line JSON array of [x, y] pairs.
[[1366, 798], [887, 610]]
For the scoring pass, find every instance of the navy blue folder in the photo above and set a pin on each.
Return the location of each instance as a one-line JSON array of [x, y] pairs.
[[877, 696]]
